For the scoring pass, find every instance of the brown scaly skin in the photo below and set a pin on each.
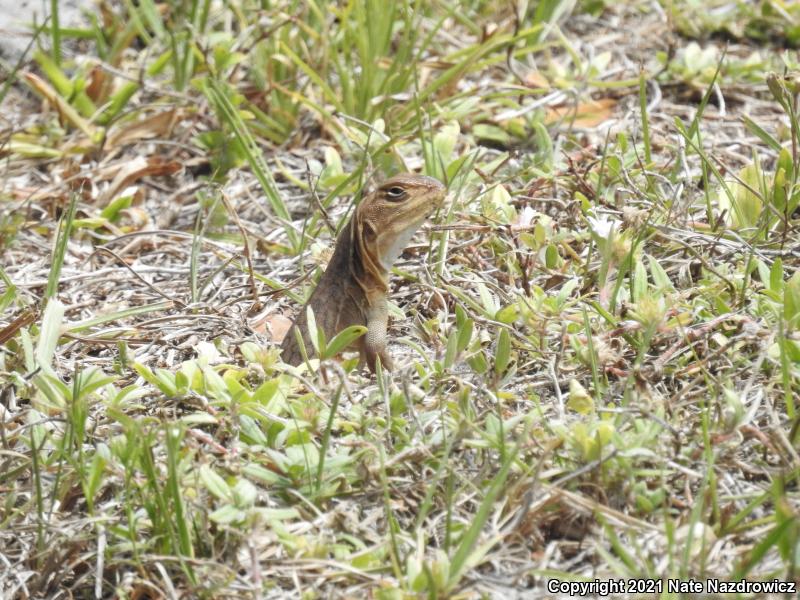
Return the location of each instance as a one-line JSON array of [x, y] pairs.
[[353, 289]]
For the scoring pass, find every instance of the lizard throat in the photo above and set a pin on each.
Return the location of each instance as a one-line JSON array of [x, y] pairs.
[[396, 247]]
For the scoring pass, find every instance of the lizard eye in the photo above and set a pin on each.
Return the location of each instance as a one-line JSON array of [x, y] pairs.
[[395, 193]]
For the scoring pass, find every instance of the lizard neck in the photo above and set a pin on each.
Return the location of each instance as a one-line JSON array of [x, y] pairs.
[[366, 267]]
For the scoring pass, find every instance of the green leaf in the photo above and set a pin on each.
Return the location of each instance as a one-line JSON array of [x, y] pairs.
[[91, 380], [265, 475], [762, 134], [492, 133], [497, 205], [478, 362], [342, 340], [452, 349], [791, 300], [508, 314], [776, 276], [489, 302], [639, 285], [199, 418], [112, 210], [54, 74], [216, 385], [444, 142], [551, 256], [218, 93], [464, 335], [747, 204], [52, 322], [161, 380], [60, 248], [96, 471], [785, 163], [244, 493], [779, 191], [566, 291], [266, 391], [317, 336], [215, 484], [579, 399], [659, 275], [228, 514], [118, 101], [503, 352], [166, 382], [251, 432]]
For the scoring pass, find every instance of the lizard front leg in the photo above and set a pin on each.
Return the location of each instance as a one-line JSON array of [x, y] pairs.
[[373, 343]]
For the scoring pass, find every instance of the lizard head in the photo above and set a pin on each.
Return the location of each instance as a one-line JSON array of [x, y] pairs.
[[387, 219]]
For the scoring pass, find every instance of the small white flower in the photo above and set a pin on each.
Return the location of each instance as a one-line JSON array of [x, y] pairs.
[[526, 216], [208, 351], [603, 226]]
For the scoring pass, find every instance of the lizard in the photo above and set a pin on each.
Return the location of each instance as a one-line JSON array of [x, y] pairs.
[[353, 290]]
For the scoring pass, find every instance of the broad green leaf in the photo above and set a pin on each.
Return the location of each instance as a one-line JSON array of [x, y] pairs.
[[791, 300], [478, 362], [639, 286], [452, 349], [342, 340], [497, 205], [444, 142], [489, 302], [779, 191], [228, 514], [265, 475], [215, 484], [659, 275], [464, 335], [776, 276], [92, 484], [52, 322], [317, 336], [503, 352], [215, 384], [579, 399], [551, 257], [508, 314], [266, 391], [244, 493]]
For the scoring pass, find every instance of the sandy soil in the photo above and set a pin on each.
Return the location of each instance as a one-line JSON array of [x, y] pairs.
[[17, 17]]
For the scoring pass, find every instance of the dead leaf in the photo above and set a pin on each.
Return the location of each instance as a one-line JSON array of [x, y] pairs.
[[535, 79], [135, 219], [585, 114], [27, 317], [274, 325], [139, 167], [155, 126], [99, 84], [489, 29]]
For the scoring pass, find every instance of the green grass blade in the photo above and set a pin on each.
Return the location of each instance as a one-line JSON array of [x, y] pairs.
[[60, 249], [217, 93], [55, 31]]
